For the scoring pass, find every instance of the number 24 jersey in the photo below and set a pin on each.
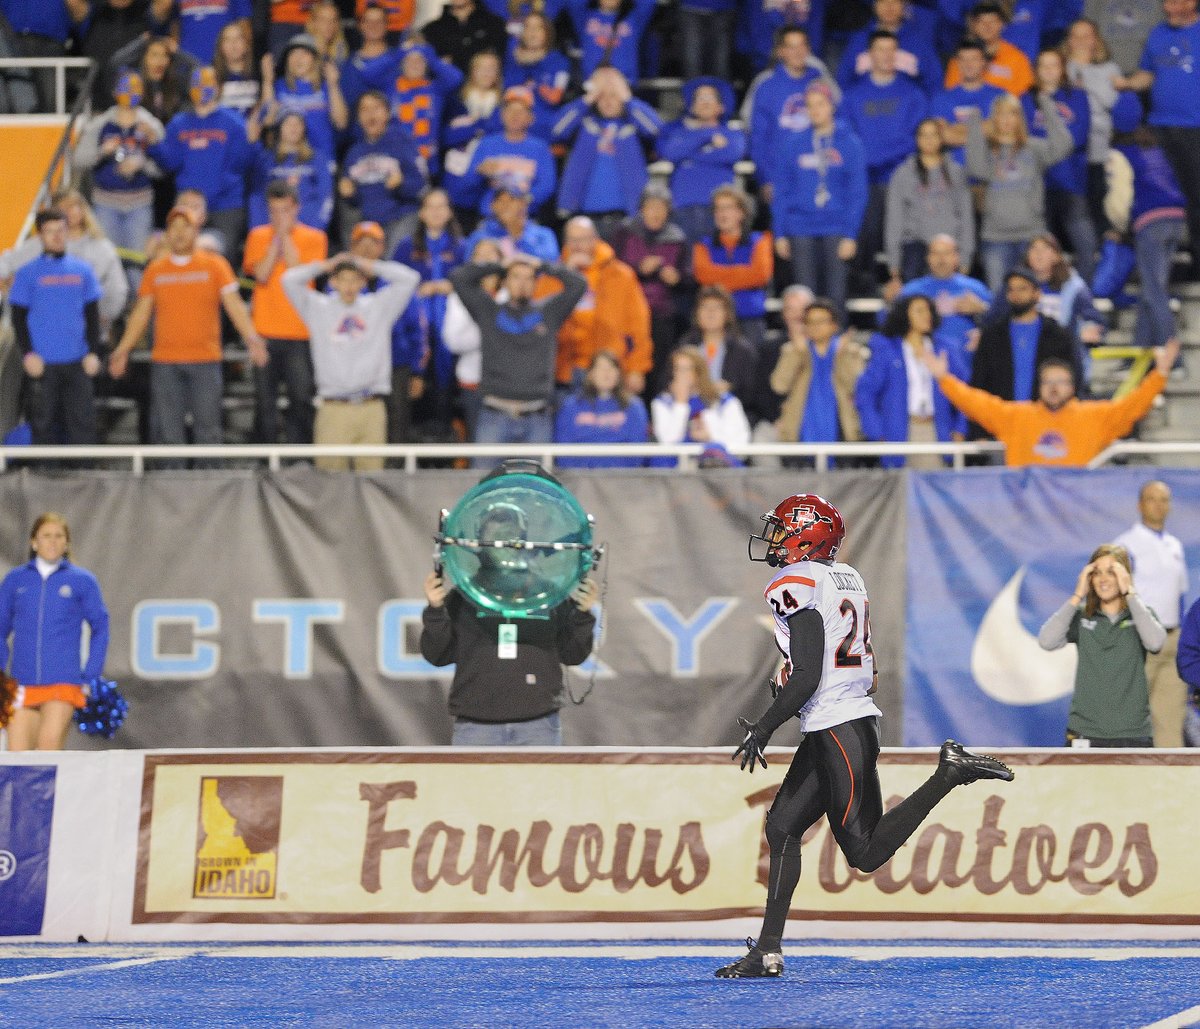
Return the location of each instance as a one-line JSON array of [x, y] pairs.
[[837, 592]]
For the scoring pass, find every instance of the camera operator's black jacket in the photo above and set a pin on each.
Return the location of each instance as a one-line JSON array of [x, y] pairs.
[[487, 688]]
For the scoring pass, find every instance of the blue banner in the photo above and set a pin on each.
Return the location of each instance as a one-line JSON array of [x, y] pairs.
[[992, 553], [26, 809]]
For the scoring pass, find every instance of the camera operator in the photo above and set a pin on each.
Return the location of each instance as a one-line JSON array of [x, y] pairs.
[[508, 678]]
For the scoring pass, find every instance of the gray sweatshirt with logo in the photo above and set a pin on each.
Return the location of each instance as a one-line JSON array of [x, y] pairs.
[[1014, 204]]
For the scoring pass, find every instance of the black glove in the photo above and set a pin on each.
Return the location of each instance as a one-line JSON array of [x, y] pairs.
[[751, 749]]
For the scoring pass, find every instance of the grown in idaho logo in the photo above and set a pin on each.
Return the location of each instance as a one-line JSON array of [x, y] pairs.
[[237, 838]]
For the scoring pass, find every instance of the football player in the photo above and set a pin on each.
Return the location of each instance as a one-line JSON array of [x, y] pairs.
[[823, 628]]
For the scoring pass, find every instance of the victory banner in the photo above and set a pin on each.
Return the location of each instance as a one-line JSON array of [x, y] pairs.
[[410, 837]]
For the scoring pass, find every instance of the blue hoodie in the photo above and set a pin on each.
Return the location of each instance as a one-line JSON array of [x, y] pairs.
[[888, 116], [601, 420], [612, 140], [701, 165], [797, 178], [45, 618], [916, 58], [527, 162], [758, 20], [209, 154], [311, 179], [777, 111], [369, 165], [596, 31], [1071, 173]]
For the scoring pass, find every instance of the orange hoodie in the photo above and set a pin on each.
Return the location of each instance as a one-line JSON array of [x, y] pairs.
[[613, 315], [1070, 436]]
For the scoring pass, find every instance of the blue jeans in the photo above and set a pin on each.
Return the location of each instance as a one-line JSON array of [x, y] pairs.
[[127, 229], [998, 259], [706, 41], [1070, 213], [815, 264], [499, 427], [539, 732], [289, 361], [1154, 245], [177, 390]]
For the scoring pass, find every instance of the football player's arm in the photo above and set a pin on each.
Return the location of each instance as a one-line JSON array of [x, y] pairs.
[[807, 652]]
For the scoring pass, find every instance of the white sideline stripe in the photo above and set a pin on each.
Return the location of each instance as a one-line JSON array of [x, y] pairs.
[[1179, 1021], [628, 952], [88, 968]]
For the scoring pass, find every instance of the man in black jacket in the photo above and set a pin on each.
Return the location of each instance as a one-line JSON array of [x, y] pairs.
[[1012, 348], [508, 678], [464, 29]]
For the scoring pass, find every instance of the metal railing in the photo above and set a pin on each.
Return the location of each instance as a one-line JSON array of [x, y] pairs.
[[60, 66], [1133, 448], [688, 455], [58, 175]]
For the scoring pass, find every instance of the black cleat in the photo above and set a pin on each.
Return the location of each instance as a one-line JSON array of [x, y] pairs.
[[758, 964], [964, 767]]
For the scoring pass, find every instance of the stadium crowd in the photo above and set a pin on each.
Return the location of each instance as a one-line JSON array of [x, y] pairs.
[[985, 170]]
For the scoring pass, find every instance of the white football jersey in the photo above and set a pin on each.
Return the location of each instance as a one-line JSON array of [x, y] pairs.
[[847, 674]]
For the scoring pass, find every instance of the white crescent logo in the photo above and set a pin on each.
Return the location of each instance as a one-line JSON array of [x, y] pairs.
[[1008, 664]]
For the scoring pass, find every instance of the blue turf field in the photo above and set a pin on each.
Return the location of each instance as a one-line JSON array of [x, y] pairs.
[[961, 984]]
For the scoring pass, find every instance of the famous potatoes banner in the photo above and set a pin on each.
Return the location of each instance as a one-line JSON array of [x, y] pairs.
[[395, 837]]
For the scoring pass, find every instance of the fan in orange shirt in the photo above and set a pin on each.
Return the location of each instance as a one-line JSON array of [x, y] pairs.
[[1008, 68], [1057, 428], [185, 290]]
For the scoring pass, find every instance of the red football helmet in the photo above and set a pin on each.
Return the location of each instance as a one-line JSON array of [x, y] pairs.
[[805, 527]]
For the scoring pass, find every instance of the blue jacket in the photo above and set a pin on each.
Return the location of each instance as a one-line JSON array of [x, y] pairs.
[[1187, 661], [776, 112], [360, 74], [209, 154], [600, 421], [797, 178], [369, 165], [595, 31], [548, 80], [55, 291], [313, 103], [700, 164], [955, 104], [536, 240], [527, 162], [1071, 173], [45, 618], [757, 21], [882, 394], [1155, 186], [312, 179], [410, 338], [916, 58], [444, 255], [580, 122], [888, 117]]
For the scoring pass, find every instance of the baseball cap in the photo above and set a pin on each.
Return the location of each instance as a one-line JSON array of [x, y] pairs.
[[303, 40], [519, 95], [1021, 271], [372, 229], [513, 186]]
